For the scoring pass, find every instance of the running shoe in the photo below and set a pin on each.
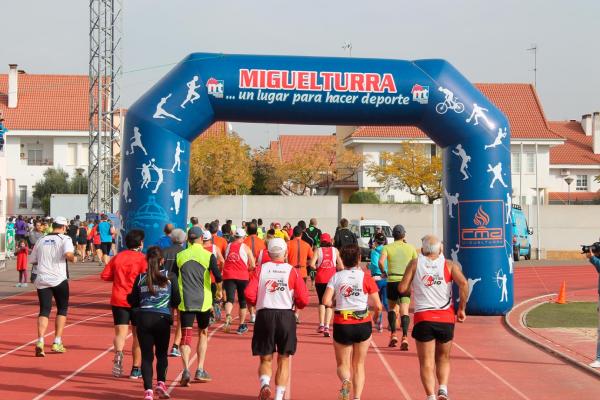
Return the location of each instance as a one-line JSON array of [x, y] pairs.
[[39, 349], [345, 390], [379, 327], [595, 364], [297, 319], [58, 348], [202, 376], [326, 332], [117, 369], [393, 341], [24, 284], [211, 321], [442, 395], [136, 373], [252, 318], [320, 329], [185, 378], [242, 329], [404, 344], [161, 390], [227, 326], [265, 393], [175, 352], [18, 284], [148, 395], [217, 310]]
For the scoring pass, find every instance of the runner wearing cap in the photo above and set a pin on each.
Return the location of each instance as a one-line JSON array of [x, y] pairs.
[[215, 289], [122, 271], [50, 277], [398, 255], [326, 260], [238, 262], [194, 266], [275, 289], [431, 277], [351, 289], [299, 253]]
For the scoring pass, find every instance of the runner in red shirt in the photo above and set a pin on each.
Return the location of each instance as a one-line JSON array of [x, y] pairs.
[[326, 260], [256, 245], [352, 325], [275, 289], [122, 270]]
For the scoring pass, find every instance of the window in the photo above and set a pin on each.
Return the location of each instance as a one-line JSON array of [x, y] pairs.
[[515, 161], [35, 202], [382, 162], [22, 196], [34, 154], [391, 198], [71, 153], [529, 163], [84, 154], [368, 231], [433, 150], [581, 183]]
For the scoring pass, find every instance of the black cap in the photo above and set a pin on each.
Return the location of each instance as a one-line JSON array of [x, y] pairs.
[[399, 229], [194, 233]]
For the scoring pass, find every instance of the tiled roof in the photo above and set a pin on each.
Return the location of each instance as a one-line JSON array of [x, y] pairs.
[[291, 145], [47, 103], [578, 147], [217, 129], [518, 101], [574, 196]]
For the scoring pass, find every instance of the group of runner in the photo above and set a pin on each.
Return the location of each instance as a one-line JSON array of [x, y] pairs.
[[189, 275]]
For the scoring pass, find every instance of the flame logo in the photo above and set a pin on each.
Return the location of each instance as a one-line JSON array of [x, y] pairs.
[[481, 218]]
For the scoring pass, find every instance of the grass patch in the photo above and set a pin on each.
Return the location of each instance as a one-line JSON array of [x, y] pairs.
[[570, 315]]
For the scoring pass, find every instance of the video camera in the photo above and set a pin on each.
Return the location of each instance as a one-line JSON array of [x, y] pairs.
[[594, 248]]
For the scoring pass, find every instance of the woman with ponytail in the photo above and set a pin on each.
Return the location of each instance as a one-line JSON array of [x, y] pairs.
[[154, 294]]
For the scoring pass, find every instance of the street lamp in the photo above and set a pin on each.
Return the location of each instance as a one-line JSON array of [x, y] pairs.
[[569, 180]]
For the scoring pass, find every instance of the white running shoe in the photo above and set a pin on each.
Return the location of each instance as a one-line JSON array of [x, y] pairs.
[[595, 364]]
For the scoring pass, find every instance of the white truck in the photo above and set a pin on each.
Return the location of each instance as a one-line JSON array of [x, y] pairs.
[[364, 229]]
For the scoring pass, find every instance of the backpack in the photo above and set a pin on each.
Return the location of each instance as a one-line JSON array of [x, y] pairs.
[[346, 237]]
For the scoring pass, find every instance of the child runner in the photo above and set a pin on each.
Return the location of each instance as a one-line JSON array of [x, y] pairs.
[[154, 294], [122, 270], [352, 326], [326, 260], [22, 252], [379, 275]]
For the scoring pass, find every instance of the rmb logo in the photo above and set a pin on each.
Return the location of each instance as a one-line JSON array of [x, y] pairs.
[[215, 87], [480, 223], [420, 93], [272, 285]]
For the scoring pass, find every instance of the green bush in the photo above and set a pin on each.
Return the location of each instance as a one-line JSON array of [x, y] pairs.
[[364, 197]]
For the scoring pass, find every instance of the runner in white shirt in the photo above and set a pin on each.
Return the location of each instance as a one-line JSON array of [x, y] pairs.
[[431, 277], [50, 277]]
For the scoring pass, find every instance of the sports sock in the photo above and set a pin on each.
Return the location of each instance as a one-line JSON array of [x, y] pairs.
[[279, 392], [264, 380], [392, 321], [405, 322], [175, 346], [431, 397], [444, 388], [41, 339], [58, 340]]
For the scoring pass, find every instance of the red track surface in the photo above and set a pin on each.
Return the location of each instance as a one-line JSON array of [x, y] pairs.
[[487, 362]]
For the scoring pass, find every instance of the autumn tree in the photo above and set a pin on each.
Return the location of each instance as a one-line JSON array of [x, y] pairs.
[[220, 164], [266, 171], [411, 169]]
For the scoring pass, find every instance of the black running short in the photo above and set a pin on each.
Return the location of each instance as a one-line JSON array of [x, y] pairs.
[[105, 247], [231, 286], [320, 291], [60, 293], [348, 334], [394, 295], [426, 331], [274, 331], [187, 319], [122, 315]]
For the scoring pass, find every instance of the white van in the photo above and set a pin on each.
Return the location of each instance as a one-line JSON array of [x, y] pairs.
[[364, 230]]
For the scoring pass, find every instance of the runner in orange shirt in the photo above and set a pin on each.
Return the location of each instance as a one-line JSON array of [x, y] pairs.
[[256, 245], [299, 254], [218, 241]]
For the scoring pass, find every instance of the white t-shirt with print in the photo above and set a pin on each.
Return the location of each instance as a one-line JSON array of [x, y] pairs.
[[49, 254]]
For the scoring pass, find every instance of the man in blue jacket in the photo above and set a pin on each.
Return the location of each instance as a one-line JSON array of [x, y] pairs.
[[594, 256]]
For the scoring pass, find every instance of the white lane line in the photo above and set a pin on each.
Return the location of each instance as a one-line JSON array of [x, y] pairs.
[[36, 300], [391, 371], [210, 335], [51, 333], [37, 312], [83, 367], [488, 369]]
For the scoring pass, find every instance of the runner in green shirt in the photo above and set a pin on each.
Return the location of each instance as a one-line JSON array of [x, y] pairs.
[[398, 255]]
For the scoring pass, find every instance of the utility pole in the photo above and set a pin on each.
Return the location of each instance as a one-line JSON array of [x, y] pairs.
[[348, 46], [533, 49]]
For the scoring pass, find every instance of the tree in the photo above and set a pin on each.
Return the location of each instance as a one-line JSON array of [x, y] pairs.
[[220, 164], [411, 169], [265, 178], [56, 181], [364, 197]]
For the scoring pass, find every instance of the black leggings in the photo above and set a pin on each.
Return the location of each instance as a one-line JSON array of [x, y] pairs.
[[153, 331], [233, 285], [61, 297]]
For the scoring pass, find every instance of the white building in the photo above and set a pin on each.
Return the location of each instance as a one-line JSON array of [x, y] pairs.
[[47, 121]]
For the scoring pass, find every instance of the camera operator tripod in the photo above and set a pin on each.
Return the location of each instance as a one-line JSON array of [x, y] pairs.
[[593, 254]]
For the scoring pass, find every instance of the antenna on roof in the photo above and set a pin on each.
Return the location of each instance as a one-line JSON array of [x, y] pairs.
[[533, 49], [348, 46]]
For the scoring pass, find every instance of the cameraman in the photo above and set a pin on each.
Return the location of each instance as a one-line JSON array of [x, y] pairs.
[[593, 255]]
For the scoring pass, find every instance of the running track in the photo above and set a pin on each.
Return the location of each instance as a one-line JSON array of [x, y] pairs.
[[487, 361]]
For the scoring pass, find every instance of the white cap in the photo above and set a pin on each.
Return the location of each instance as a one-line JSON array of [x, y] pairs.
[[239, 232], [277, 245], [206, 236], [61, 221]]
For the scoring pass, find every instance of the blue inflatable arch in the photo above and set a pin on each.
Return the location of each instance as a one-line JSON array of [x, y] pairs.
[[431, 94]]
